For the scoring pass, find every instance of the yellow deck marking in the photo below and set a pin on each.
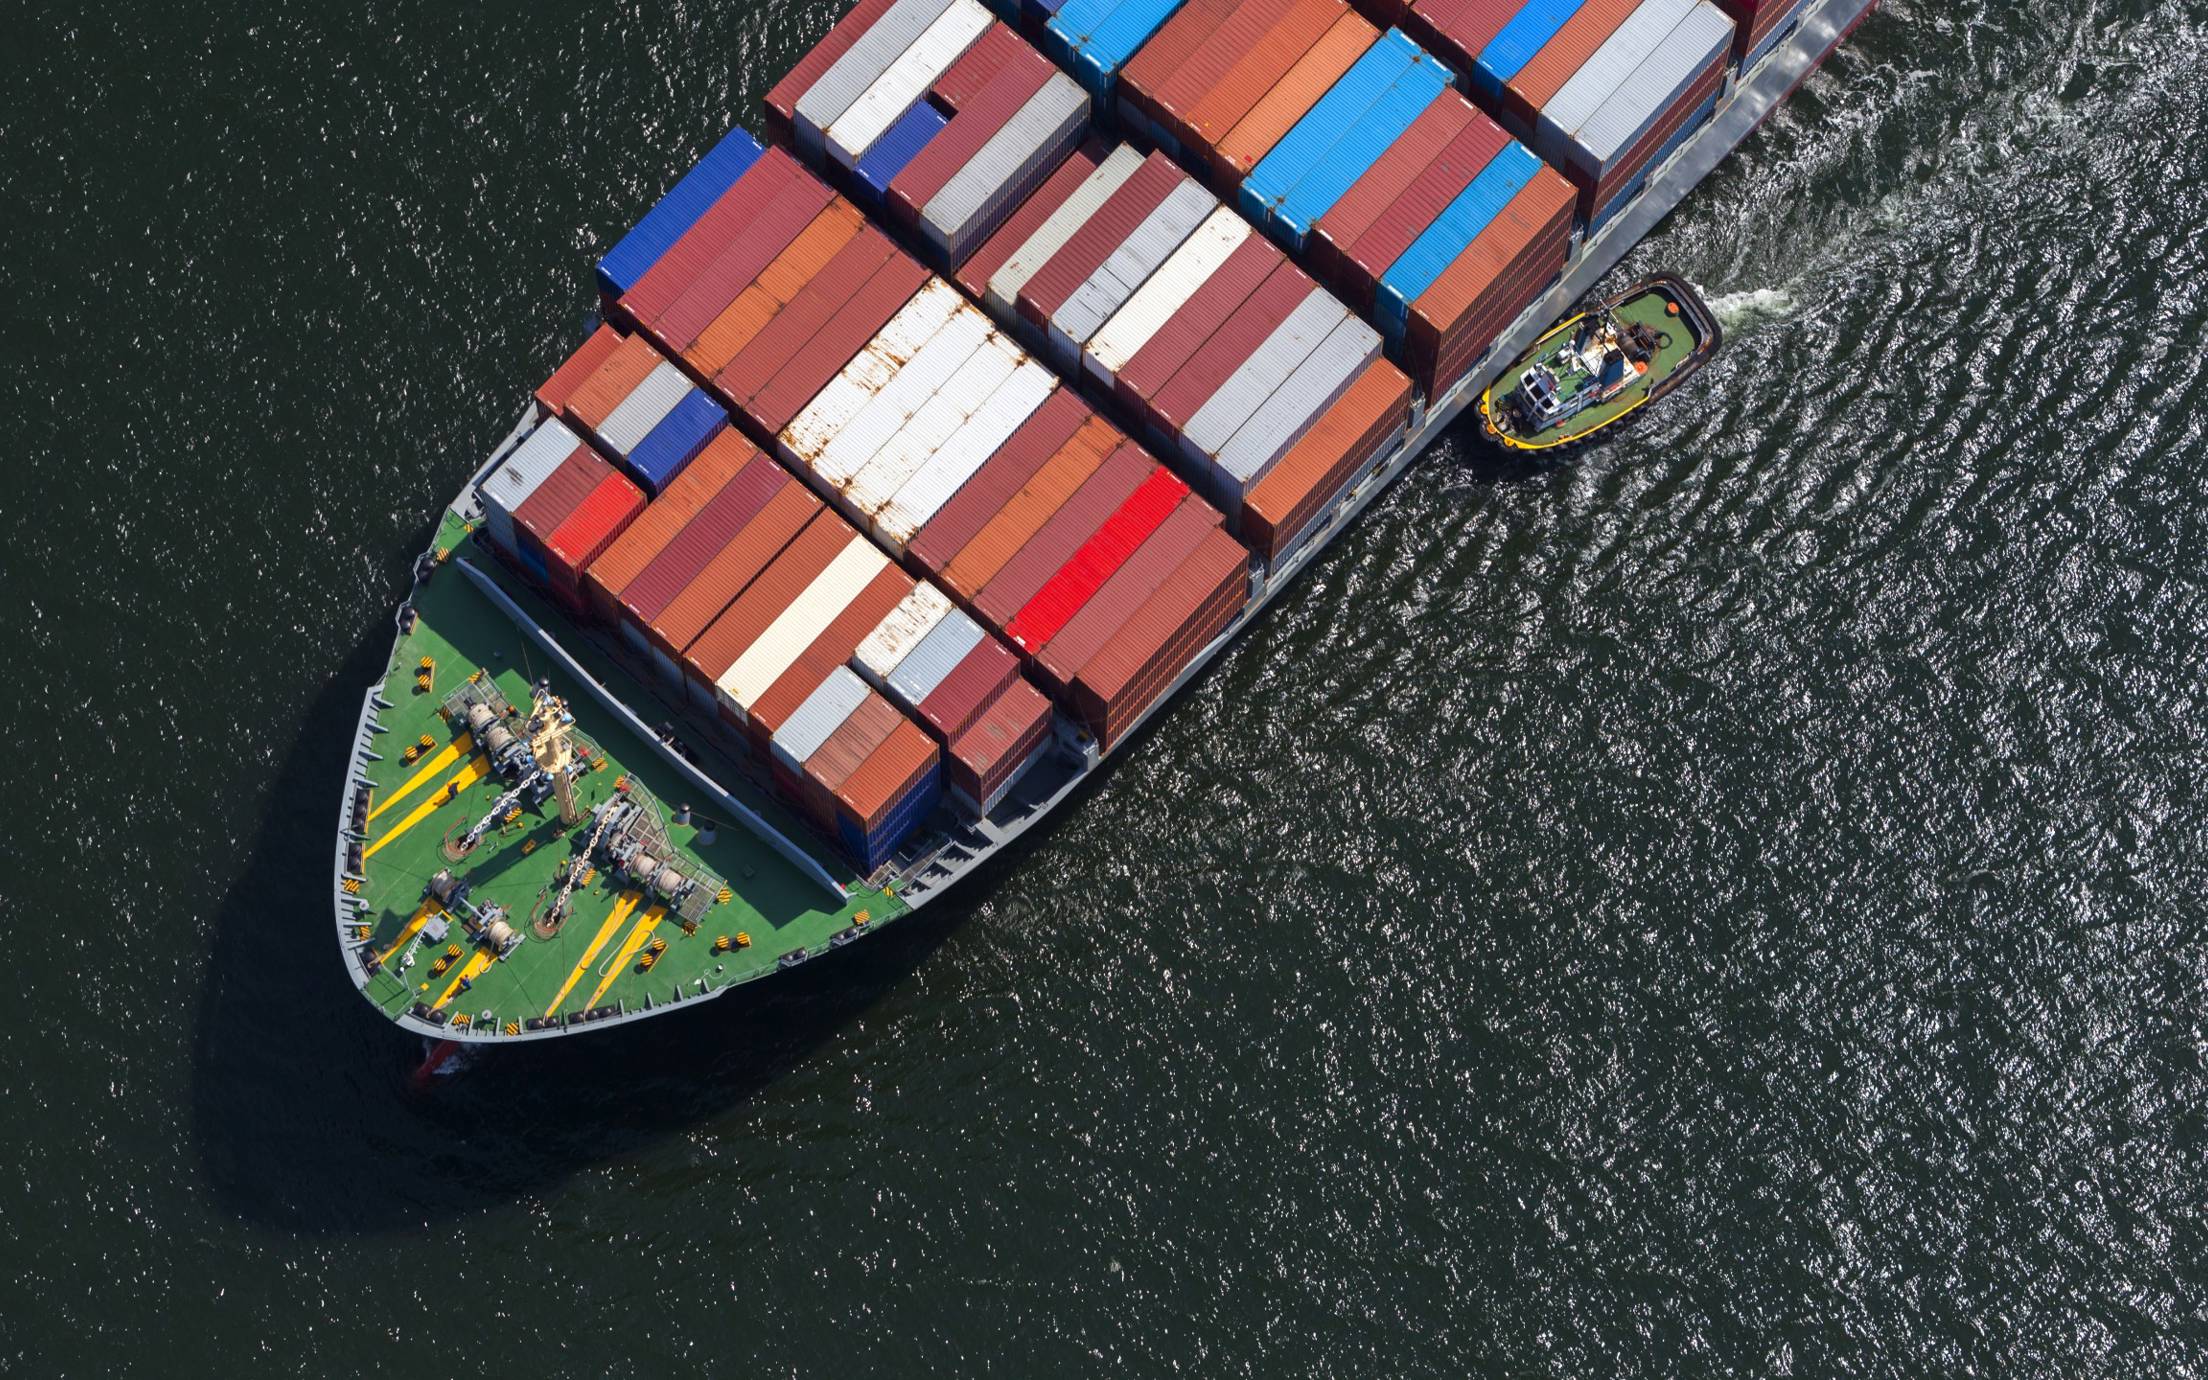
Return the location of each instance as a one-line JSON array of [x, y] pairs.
[[413, 927], [422, 773], [477, 768], [477, 962], [622, 905], [629, 946]]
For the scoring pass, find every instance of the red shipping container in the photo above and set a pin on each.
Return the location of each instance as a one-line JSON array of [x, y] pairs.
[[568, 485], [986, 758], [1381, 186], [734, 562], [782, 99], [980, 676], [982, 265], [820, 359], [977, 122], [1121, 596], [1224, 292], [887, 776], [964, 79], [781, 224], [1002, 536], [785, 577], [999, 478], [662, 521], [723, 226], [1560, 59], [1098, 559], [718, 519], [1235, 151], [1459, 30], [830, 649], [1103, 232], [1053, 544], [603, 514], [553, 393], [1215, 361], [597, 396], [1183, 40]]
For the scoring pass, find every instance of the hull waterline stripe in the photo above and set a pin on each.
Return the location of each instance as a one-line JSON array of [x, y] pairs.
[[442, 760]]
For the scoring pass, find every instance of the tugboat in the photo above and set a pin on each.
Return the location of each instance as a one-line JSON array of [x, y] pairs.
[[1595, 369]]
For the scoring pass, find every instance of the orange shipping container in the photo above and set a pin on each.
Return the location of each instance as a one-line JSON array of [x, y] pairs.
[[1001, 538], [732, 634], [1217, 105], [787, 274], [1313, 75], [665, 516], [553, 393], [1366, 417], [625, 368], [832, 648], [731, 570]]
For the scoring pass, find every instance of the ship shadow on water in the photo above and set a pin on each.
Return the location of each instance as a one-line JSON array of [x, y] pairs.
[[306, 1112]]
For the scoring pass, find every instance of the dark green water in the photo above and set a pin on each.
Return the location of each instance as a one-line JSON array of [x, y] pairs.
[[1730, 908]]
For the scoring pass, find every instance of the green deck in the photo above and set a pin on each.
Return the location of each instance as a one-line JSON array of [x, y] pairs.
[[1648, 309], [781, 907]]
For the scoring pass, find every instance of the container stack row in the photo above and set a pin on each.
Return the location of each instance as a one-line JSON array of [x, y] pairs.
[[1603, 89], [931, 113], [1357, 155], [1760, 25]]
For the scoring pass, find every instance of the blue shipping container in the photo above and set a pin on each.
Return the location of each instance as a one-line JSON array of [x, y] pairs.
[[1367, 79], [1528, 32], [676, 441], [677, 211], [899, 145], [1438, 246], [1358, 148]]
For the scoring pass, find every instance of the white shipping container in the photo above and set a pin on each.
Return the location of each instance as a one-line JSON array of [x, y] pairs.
[[956, 461], [913, 618], [1348, 350], [932, 424], [850, 75], [647, 405], [1127, 268], [1704, 37], [1168, 290], [794, 629], [1257, 378], [966, 334], [510, 485], [1057, 228], [834, 408], [1007, 168], [823, 712], [1604, 72], [906, 80]]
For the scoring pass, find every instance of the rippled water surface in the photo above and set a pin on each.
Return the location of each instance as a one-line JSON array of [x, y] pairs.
[[1729, 907]]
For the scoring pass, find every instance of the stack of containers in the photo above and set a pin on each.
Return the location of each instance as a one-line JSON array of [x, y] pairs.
[[1760, 26], [638, 408], [554, 505], [933, 111], [1363, 425], [676, 212], [1093, 39], [914, 413], [1604, 89], [1220, 86], [1333, 145]]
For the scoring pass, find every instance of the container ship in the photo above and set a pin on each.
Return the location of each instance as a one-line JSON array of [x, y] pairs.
[[924, 449]]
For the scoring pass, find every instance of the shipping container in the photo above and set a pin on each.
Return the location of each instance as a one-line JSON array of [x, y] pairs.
[[824, 651], [661, 522], [1026, 217], [1097, 559], [722, 309], [1095, 38], [553, 393], [847, 748], [1459, 315], [1339, 448], [625, 366], [1383, 184], [1760, 26], [734, 558], [736, 501], [886, 798], [691, 196], [1092, 240], [1006, 738], [764, 598], [1042, 555], [809, 311], [505, 489], [1179, 41], [1215, 361], [781, 100], [810, 367], [827, 709], [894, 151], [1241, 429], [959, 698], [1332, 146], [601, 516], [1001, 537], [1123, 594], [1125, 269], [999, 478], [1162, 294], [791, 630], [760, 213], [1403, 218], [1161, 357], [933, 658], [900, 630], [1192, 606], [1255, 50], [933, 484], [878, 59], [1021, 263], [1233, 154], [920, 349]]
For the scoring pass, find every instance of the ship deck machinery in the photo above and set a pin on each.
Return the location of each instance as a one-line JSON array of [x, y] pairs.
[[626, 948]]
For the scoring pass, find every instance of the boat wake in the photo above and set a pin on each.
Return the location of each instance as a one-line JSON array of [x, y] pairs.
[[1739, 311]]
